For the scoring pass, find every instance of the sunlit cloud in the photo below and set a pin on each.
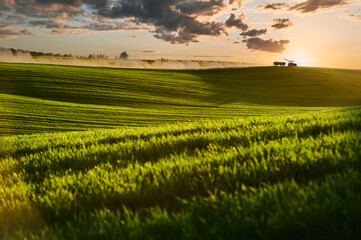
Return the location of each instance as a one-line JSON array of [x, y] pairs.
[[309, 6], [7, 31], [355, 17], [237, 22], [266, 45], [254, 33], [273, 6], [282, 23]]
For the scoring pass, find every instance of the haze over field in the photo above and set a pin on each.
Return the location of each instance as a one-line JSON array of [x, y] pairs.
[[7, 55]]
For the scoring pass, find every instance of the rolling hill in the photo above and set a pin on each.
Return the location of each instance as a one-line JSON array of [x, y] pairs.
[[252, 153], [42, 98]]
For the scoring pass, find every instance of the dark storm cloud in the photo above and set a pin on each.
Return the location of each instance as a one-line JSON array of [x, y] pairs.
[[266, 45], [314, 5], [232, 21], [254, 33], [273, 6], [282, 23], [209, 8]]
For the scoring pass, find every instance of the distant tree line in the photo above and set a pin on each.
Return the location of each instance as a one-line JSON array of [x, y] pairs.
[[123, 55]]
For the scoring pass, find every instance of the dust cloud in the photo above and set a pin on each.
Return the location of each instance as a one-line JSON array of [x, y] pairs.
[[25, 57]]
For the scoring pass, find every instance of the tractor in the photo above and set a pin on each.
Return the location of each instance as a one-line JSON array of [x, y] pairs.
[[291, 63]]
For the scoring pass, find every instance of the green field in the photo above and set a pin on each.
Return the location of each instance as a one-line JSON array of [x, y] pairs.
[[253, 153], [41, 98]]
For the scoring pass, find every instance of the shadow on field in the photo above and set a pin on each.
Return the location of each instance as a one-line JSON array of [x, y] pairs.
[[282, 86]]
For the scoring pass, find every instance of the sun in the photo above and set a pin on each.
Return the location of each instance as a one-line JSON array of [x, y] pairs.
[[301, 58]]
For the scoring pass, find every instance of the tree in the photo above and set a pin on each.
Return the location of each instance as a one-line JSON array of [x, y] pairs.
[[124, 55]]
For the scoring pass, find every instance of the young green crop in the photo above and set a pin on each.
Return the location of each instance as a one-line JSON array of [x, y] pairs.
[[266, 177], [46, 98]]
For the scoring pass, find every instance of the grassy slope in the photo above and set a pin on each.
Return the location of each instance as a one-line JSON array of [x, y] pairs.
[[38, 98], [290, 177], [280, 177]]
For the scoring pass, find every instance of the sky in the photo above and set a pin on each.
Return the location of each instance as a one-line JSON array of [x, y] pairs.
[[319, 33]]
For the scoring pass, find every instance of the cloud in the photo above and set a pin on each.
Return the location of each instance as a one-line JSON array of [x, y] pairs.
[[175, 21], [106, 27], [48, 24], [266, 45], [170, 23], [7, 3], [354, 17], [239, 2], [273, 6], [6, 31], [232, 21], [314, 5], [308, 6], [175, 38], [34, 10], [15, 19], [55, 26], [282, 23], [62, 2], [208, 8], [254, 33]]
